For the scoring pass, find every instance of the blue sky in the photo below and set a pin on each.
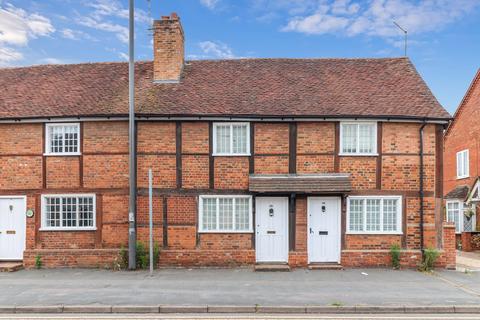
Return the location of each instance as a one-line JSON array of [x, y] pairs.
[[444, 35]]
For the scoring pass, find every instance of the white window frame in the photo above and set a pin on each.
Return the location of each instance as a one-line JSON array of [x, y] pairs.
[[214, 151], [465, 155], [461, 213], [399, 215], [200, 213], [373, 153], [48, 142], [44, 226]]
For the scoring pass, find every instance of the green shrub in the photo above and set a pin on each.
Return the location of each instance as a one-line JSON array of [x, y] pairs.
[[429, 257], [123, 263], [38, 261], [395, 254], [142, 257]]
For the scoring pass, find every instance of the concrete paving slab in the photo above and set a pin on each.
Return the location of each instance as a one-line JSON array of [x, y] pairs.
[[379, 309], [232, 309], [281, 309], [7, 309], [183, 309], [87, 309], [429, 309], [39, 309], [136, 309]]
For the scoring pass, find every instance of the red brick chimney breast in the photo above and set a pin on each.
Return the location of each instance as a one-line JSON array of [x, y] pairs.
[[168, 49]]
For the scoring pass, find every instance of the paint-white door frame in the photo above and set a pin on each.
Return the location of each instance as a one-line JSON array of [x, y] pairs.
[[311, 245], [271, 233], [16, 251]]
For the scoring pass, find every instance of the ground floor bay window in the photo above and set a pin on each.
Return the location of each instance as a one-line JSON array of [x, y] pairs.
[[462, 215]]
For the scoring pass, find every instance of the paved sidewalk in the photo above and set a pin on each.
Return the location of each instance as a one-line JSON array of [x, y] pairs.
[[240, 287], [468, 260]]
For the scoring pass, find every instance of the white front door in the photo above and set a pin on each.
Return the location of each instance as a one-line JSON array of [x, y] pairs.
[[12, 227], [271, 214], [323, 229]]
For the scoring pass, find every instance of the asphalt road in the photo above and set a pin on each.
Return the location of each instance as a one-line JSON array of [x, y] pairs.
[[238, 287]]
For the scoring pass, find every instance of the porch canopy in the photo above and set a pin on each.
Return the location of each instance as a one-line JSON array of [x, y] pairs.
[[325, 183]]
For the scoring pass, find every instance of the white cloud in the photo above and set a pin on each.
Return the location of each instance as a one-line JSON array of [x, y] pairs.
[[52, 61], [104, 11], [375, 18], [113, 8], [17, 28], [210, 4], [121, 32], [8, 55], [214, 50], [123, 56]]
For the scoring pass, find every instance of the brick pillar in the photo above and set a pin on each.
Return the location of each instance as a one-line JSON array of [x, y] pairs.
[[466, 241], [449, 245]]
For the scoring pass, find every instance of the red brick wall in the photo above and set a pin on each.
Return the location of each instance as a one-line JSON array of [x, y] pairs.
[[464, 133], [103, 169]]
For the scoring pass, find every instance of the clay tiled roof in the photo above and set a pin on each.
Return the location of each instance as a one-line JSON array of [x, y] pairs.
[[459, 192], [244, 87], [301, 183]]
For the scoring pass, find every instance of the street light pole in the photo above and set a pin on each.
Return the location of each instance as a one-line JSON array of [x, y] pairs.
[[132, 234]]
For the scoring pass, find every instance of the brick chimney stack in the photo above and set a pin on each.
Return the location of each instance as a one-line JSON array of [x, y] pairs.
[[168, 49]]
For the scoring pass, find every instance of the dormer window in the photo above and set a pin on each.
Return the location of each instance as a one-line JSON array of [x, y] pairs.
[[62, 139]]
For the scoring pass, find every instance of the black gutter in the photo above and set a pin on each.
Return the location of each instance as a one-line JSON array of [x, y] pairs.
[[146, 116], [421, 191]]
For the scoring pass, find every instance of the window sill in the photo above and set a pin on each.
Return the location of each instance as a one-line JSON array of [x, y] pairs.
[[463, 177], [68, 229], [231, 154], [358, 154], [62, 154], [226, 231], [369, 233]]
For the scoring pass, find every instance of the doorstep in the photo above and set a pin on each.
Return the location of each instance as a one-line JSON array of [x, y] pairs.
[[10, 266], [325, 266], [282, 267]]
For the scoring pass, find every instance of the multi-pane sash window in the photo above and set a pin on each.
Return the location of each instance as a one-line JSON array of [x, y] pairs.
[[225, 214], [231, 139], [358, 138], [68, 212], [374, 214], [456, 213], [462, 164], [62, 138]]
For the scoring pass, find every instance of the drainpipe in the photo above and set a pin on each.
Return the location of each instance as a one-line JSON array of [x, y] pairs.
[[421, 192]]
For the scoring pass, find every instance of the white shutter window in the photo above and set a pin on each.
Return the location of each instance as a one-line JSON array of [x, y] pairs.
[[225, 214], [231, 139], [358, 138], [62, 139], [374, 215], [463, 164]]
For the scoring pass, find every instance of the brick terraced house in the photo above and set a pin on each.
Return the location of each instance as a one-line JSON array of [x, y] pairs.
[[286, 161], [462, 165]]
